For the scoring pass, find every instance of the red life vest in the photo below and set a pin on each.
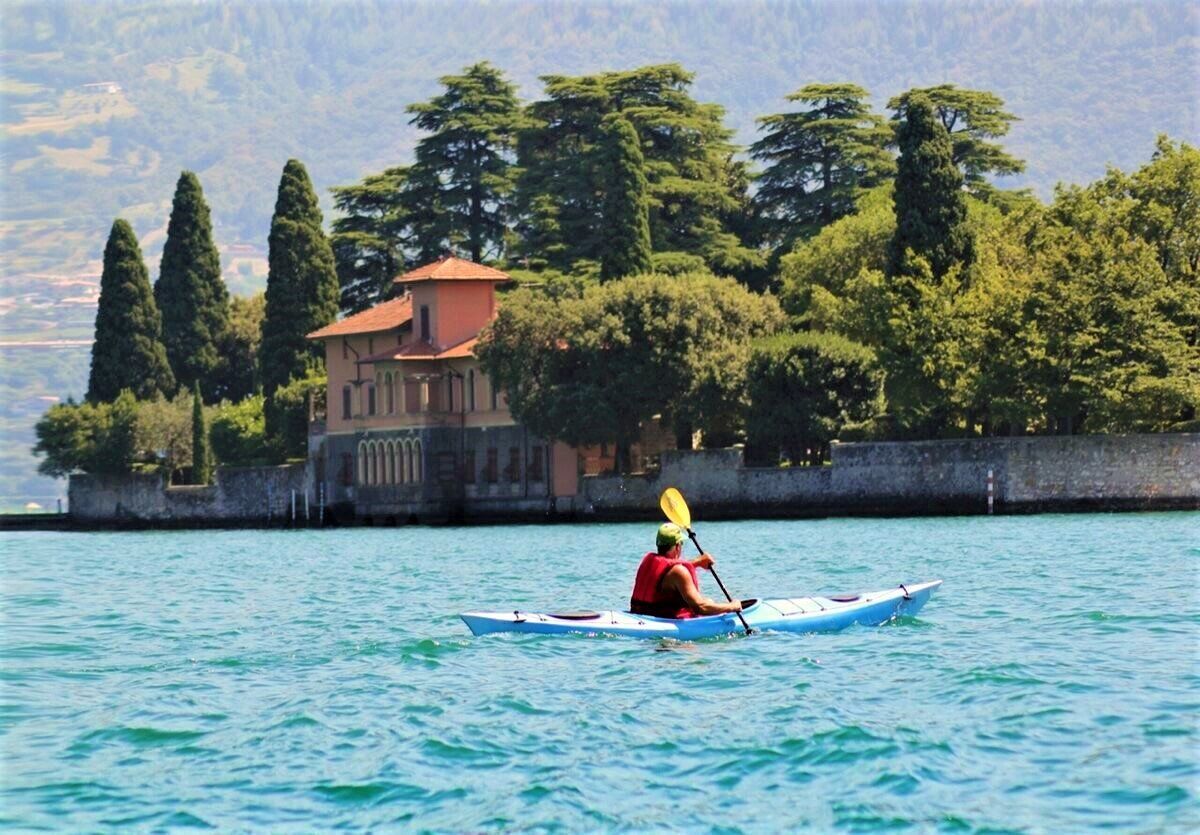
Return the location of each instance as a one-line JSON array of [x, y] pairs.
[[650, 598]]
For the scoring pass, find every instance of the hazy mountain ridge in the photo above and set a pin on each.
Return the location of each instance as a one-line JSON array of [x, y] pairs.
[[232, 90]]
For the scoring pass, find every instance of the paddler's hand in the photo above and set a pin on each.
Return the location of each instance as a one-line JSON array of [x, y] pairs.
[[703, 561]]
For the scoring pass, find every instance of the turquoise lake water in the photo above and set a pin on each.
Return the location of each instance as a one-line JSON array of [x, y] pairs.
[[312, 680]]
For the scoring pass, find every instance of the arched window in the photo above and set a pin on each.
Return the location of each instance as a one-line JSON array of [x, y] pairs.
[[471, 390], [408, 462], [347, 408], [391, 394], [370, 399], [381, 463], [371, 472], [398, 462], [418, 464], [362, 462], [389, 462]]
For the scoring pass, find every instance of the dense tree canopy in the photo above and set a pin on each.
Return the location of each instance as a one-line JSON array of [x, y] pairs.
[[190, 292], [128, 352]]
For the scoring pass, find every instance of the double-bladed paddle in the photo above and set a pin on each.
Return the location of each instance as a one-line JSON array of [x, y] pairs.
[[676, 509]]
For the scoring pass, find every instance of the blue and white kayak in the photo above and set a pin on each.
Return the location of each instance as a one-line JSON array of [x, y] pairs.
[[785, 614]]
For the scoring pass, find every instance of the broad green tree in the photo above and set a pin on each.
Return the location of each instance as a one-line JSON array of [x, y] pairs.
[[819, 160], [190, 292], [805, 388], [931, 210], [128, 352], [592, 369], [201, 456], [624, 213], [972, 118], [302, 285], [472, 125]]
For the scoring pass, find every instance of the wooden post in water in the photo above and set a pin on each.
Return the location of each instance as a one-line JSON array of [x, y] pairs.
[[321, 503], [306, 506], [293, 508], [990, 491]]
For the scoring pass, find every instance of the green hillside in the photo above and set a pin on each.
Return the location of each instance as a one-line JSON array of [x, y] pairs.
[[102, 104]]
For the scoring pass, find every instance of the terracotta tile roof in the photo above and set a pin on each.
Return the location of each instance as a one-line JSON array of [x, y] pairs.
[[381, 317], [425, 351], [453, 269]]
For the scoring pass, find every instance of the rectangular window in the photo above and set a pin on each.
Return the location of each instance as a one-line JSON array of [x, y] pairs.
[[436, 394], [371, 399], [514, 464], [471, 390], [536, 464], [425, 334], [370, 345], [493, 465], [347, 408], [450, 393], [469, 466]]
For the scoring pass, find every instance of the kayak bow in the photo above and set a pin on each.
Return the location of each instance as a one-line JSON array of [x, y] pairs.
[[792, 614]]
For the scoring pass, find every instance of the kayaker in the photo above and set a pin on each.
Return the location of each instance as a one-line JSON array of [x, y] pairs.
[[667, 586]]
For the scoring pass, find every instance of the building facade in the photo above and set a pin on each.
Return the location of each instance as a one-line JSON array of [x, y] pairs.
[[413, 427]]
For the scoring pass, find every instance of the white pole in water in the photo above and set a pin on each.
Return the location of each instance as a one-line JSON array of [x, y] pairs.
[[990, 491], [306, 505], [321, 503], [293, 508]]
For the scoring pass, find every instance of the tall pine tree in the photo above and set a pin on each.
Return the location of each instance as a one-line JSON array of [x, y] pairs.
[[302, 284], [473, 127], [190, 293], [201, 454], [624, 215], [819, 160], [128, 352], [695, 187], [931, 209]]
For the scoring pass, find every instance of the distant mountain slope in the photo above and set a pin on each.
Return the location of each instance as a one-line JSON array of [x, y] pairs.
[[102, 104]]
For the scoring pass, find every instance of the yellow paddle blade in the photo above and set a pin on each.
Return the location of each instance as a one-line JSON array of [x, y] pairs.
[[675, 508]]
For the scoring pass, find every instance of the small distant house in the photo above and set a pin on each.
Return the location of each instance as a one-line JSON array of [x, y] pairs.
[[413, 426], [102, 87]]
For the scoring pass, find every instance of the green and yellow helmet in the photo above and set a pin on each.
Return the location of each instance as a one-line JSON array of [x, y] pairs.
[[669, 535]]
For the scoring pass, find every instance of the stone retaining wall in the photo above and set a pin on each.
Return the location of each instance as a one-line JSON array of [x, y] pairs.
[[1082, 472], [239, 496]]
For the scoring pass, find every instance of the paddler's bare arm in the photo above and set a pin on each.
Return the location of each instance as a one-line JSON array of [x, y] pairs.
[[680, 580]]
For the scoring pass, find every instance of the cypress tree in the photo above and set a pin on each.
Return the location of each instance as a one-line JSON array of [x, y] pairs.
[[302, 283], [128, 352], [189, 292], [201, 457], [625, 212], [931, 210]]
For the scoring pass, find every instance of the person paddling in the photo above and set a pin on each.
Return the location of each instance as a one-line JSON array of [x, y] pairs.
[[668, 586]]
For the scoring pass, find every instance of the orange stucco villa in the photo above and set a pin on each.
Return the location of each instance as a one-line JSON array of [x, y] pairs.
[[413, 426]]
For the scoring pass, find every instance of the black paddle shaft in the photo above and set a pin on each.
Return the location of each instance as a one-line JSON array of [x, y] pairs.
[[696, 542]]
